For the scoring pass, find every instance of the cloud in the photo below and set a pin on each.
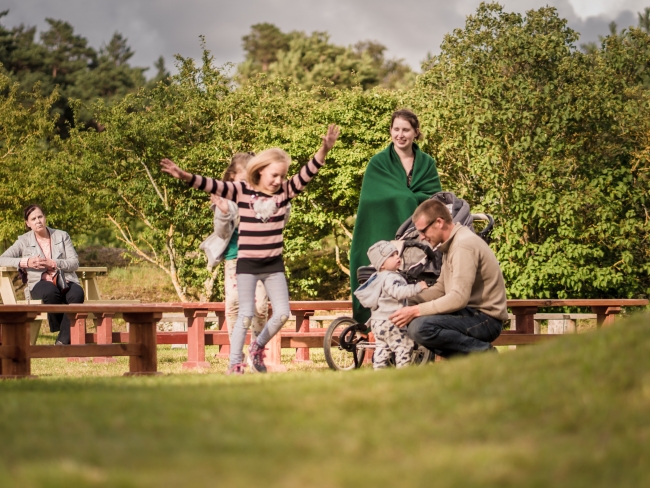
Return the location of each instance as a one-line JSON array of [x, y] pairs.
[[409, 28]]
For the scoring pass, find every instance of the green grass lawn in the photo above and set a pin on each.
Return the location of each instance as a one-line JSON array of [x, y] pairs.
[[571, 413]]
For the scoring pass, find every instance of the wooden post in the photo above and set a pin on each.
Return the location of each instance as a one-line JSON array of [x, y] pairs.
[[104, 325], [195, 339], [273, 360], [78, 333], [224, 351], [302, 325], [91, 288], [605, 316], [525, 318], [562, 326], [142, 330], [367, 358], [14, 352], [7, 285]]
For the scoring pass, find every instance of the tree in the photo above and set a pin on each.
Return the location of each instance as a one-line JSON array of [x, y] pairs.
[[546, 139], [311, 60], [64, 60], [262, 45], [30, 168]]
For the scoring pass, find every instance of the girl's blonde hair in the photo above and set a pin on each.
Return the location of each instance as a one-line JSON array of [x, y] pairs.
[[238, 162], [262, 160]]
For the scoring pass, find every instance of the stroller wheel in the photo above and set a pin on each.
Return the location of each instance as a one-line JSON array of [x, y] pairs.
[[341, 344], [421, 355]]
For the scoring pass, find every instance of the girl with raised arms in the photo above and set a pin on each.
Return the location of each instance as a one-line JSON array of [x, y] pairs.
[[262, 201]]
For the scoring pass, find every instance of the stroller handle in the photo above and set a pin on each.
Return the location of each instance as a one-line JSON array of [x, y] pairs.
[[485, 218]]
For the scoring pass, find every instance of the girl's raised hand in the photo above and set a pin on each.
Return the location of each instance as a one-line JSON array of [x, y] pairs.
[[168, 166], [329, 139]]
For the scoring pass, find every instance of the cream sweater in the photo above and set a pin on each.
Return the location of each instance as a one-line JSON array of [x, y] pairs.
[[470, 277]]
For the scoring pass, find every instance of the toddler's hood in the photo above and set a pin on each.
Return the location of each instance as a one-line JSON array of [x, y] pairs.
[[369, 293]]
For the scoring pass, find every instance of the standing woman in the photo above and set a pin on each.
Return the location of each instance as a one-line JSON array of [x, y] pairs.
[[42, 252], [396, 181]]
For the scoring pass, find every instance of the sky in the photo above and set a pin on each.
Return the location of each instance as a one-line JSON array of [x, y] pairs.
[[408, 28]]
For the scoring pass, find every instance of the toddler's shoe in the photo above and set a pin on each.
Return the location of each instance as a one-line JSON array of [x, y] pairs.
[[256, 358]]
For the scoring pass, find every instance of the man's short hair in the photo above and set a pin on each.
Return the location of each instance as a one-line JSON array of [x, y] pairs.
[[433, 210]]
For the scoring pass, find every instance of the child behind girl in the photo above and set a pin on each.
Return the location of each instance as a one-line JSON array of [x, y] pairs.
[[262, 201], [222, 245]]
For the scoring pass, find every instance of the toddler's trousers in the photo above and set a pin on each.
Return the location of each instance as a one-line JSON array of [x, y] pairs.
[[390, 338]]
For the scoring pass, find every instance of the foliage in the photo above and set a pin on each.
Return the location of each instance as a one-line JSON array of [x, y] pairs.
[[311, 60], [209, 123], [546, 139], [30, 171], [64, 60], [554, 142]]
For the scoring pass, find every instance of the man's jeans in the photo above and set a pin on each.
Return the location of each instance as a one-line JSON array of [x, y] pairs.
[[462, 332]]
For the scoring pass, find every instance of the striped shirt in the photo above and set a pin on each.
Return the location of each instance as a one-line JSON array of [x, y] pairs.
[[261, 217]]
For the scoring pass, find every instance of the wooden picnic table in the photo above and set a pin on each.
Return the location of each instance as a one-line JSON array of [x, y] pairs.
[[141, 340], [87, 277], [16, 352]]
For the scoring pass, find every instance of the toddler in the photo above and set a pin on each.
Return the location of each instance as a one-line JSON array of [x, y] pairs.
[[384, 293]]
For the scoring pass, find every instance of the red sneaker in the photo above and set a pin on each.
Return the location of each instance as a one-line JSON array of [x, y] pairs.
[[256, 358]]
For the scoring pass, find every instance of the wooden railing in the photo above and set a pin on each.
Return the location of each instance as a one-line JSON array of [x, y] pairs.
[[142, 338]]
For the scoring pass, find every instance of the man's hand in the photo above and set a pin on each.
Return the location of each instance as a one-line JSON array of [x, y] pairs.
[[168, 166], [403, 316]]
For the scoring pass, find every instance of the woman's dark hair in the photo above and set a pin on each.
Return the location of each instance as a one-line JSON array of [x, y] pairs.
[[28, 211], [410, 117], [238, 161]]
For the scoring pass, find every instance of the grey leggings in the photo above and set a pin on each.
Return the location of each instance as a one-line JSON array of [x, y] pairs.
[[276, 289]]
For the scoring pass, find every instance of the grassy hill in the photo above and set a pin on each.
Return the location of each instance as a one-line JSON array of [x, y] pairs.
[[570, 413]]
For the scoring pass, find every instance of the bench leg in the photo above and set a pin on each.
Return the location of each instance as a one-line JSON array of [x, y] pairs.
[[15, 340], [104, 325], [142, 331], [224, 351], [34, 329], [367, 358], [274, 357], [196, 339], [302, 325], [525, 318], [78, 333], [605, 316]]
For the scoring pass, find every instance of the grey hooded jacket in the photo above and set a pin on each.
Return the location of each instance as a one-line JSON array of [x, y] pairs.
[[384, 293], [63, 254]]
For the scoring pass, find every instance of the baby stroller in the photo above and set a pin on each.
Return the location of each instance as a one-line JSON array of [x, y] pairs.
[[346, 342]]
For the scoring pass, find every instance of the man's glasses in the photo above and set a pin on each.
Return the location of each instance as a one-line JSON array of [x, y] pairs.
[[423, 231]]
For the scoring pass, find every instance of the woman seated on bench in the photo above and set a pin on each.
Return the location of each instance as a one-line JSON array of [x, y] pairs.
[[41, 253]]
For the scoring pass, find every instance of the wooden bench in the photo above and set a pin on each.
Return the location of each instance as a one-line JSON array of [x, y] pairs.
[[87, 278], [16, 352], [304, 337]]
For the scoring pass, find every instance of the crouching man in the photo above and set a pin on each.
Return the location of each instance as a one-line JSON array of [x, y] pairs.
[[465, 309]]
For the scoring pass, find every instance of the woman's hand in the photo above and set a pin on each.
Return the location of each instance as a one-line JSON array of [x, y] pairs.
[[37, 262], [168, 166], [329, 140], [220, 203]]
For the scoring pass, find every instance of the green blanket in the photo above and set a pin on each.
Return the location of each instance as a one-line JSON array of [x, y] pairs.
[[385, 203]]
